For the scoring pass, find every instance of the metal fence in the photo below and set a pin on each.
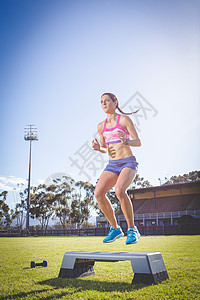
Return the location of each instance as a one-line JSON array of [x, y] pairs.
[[180, 229], [161, 215]]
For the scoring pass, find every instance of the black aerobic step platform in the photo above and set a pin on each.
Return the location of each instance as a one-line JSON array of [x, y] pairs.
[[148, 268]]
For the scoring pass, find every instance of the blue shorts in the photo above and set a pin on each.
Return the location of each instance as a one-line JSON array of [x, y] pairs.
[[116, 166]]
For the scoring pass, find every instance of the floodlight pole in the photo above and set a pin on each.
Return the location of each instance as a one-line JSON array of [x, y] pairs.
[[30, 134], [29, 187]]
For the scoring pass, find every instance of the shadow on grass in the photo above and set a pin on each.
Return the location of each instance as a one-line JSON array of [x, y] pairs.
[[55, 295], [23, 294], [73, 286], [94, 285]]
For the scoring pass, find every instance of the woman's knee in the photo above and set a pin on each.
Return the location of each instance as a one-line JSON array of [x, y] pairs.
[[120, 192], [99, 194]]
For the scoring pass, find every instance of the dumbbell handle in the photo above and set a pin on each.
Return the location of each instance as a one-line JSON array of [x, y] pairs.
[[39, 264]]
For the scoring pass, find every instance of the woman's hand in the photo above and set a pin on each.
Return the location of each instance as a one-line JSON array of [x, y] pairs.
[[95, 145], [122, 137]]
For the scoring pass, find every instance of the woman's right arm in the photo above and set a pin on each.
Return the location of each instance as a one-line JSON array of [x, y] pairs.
[[95, 144]]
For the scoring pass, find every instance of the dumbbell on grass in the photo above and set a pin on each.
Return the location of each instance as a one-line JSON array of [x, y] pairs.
[[43, 264]]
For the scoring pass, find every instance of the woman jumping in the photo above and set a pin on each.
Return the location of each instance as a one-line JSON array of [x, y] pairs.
[[121, 170]]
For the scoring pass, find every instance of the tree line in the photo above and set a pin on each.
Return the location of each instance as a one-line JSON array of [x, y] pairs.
[[68, 201], [65, 200]]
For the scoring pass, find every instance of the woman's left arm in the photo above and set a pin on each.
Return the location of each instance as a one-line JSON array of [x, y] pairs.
[[128, 124]]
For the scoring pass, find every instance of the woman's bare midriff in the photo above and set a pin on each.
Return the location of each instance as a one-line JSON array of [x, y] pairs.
[[119, 151]]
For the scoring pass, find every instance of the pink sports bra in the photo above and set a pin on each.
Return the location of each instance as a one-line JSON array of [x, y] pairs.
[[110, 134]]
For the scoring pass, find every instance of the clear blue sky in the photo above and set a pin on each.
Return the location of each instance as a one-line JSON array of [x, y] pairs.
[[58, 57]]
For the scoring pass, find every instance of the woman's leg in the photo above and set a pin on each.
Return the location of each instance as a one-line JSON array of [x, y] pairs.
[[106, 181], [124, 180]]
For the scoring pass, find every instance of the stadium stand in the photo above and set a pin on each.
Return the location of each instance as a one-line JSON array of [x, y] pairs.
[[164, 209]]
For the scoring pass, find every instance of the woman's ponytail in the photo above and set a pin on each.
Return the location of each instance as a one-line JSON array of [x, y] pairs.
[[131, 113], [114, 98]]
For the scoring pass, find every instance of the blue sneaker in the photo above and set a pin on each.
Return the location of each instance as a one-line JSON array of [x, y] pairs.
[[133, 236], [113, 235]]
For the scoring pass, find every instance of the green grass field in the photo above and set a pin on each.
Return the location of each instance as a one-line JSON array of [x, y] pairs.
[[111, 280]]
